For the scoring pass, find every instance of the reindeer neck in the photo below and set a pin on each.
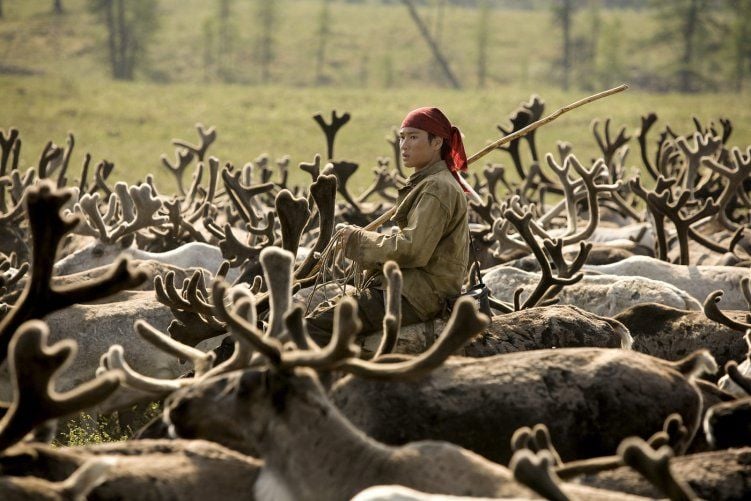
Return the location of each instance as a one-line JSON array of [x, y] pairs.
[[311, 447]]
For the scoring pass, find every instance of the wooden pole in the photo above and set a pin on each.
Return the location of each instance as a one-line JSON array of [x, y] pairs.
[[529, 128], [432, 44], [516, 135]]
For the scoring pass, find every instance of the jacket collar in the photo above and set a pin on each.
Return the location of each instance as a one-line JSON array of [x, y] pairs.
[[427, 171]]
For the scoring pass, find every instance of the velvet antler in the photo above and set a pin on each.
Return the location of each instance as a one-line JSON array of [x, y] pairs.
[[33, 365], [39, 297]]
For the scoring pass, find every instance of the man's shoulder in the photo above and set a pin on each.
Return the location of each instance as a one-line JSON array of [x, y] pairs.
[[446, 188], [442, 182]]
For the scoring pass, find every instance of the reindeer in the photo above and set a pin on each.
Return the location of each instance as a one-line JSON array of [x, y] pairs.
[[288, 417], [474, 379]]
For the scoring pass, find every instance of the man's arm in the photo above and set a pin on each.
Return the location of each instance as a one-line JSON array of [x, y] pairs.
[[411, 246]]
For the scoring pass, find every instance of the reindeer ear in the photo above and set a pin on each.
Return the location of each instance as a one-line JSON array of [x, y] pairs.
[[273, 383], [250, 382]]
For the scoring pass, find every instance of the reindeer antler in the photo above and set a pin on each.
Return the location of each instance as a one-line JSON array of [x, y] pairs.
[[207, 137], [682, 223], [673, 434], [313, 168], [184, 158], [392, 319], [526, 114], [9, 144], [343, 171], [646, 123], [242, 196], [704, 146], [547, 280], [384, 180], [655, 467], [735, 375], [608, 146], [535, 470], [323, 192], [201, 361], [735, 177], [331, 129], [293, 215], [39, 297], [340, 353], [277, 270], [394, 141], [713, 312], [33, 365]]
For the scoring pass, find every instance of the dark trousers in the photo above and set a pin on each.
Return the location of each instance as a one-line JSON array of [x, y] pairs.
[[371, 308]]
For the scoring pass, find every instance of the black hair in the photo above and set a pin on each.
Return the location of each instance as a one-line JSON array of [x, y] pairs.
[[445, 147]]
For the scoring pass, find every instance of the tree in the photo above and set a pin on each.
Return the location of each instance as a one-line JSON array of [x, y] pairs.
[[611, 70], [563, 13], [226, 37], [483, 30], [440, 10], [437, 54], [130, 27], [586, 48], [265, 44], [741, 41], [220, 36], [57, 6], [324, 18], [689, 25], [578, 57]]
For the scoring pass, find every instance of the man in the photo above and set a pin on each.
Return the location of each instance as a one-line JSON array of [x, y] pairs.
[[431, 245]]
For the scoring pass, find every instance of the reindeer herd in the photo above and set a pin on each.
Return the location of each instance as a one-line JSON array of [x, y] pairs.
[[614, 365]]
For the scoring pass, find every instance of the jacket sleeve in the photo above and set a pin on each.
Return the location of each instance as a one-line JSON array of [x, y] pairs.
[[411, 246]]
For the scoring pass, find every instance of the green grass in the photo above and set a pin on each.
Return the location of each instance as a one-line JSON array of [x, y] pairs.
[[132, 123], [83, 429]]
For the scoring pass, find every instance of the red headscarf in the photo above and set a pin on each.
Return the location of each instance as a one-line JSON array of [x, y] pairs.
[[433, 120]]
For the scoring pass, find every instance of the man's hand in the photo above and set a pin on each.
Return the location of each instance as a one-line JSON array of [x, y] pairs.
[[345, 230]]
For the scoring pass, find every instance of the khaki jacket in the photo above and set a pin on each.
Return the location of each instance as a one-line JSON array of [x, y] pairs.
[[431, 245]]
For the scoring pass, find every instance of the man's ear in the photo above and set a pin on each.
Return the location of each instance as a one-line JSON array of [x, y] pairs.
[[437, 141]]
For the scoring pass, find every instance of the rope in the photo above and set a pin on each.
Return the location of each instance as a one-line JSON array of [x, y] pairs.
[[330, 255]]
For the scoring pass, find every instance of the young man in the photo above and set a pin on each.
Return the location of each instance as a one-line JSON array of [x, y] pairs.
[[431, 245]]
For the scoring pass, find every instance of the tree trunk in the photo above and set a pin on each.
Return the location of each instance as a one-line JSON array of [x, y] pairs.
[[442, 62], [482, 43], [1, 9], [111, 37], [208, 50], [323, 35], [266, 18], [124, 72], [57, 7], [689, 35], [224, 42], [742, 43], [439, 17], [566, 28]]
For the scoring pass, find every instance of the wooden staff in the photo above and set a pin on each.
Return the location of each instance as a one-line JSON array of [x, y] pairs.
[[511, 137]]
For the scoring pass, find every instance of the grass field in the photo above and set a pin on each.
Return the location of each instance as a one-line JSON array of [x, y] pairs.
[[55, 81]]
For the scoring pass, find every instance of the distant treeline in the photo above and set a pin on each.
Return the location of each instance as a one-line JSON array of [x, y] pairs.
[[516, 4], [659, 45]]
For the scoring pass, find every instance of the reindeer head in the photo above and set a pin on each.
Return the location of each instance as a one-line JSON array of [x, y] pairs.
[[236, 409]]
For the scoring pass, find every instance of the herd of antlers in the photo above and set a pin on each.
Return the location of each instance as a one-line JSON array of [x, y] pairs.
[[605, 395]]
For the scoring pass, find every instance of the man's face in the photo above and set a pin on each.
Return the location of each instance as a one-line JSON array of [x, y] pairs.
[[417, 150]]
